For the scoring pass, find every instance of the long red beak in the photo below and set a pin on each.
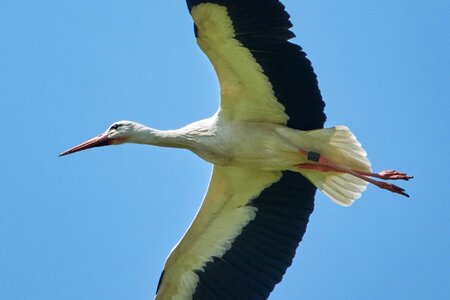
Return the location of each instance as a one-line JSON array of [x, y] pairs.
[[98, 141]]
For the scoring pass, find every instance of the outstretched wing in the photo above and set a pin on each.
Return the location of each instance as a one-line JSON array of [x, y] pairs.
[[246, 232], [243, 238], [262, 76]]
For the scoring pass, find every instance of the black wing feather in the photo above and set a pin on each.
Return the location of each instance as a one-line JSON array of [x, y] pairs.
[[263, 27], [261, 254]]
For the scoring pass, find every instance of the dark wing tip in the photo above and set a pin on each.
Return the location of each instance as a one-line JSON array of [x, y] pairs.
[[263, 27], [261, 254]]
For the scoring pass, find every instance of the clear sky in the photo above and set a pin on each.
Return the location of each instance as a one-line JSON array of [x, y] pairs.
[[100, 224]]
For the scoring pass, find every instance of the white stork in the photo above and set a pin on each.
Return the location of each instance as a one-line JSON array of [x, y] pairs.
[[269, 153]]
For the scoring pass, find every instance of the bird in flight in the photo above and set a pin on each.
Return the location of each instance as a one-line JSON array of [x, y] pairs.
[[269, 150]]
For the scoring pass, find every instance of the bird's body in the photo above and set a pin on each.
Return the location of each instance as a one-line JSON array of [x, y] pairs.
[[269, 151], [245, 144], [253, 145]]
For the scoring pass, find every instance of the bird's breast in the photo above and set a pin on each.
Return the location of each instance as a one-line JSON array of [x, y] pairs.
[[248, 144]]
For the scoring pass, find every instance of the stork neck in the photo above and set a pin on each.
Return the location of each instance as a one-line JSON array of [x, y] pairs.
[[163, 138]]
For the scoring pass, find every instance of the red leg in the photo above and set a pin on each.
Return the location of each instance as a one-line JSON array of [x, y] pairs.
[[388, 175], [323, 168], [325, 165]]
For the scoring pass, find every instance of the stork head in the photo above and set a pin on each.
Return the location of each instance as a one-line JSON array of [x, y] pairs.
[[118, 133]]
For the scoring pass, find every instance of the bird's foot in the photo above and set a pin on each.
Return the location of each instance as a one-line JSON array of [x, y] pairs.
[[394, 175], [390, 187], [323, 164], [387, 175]]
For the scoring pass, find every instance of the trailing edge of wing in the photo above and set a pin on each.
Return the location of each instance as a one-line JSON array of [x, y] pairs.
[[263, 77], [243, 238]]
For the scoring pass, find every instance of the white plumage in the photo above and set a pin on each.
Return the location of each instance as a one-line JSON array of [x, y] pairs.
[[265, 139]]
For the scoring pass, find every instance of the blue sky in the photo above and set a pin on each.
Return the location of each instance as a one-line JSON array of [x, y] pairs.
[[100, 224]]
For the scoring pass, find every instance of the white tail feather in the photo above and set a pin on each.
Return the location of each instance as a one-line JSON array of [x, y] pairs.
[[339, 145]]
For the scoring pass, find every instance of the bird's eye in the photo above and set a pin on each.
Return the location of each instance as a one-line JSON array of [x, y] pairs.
[[115, 126]]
